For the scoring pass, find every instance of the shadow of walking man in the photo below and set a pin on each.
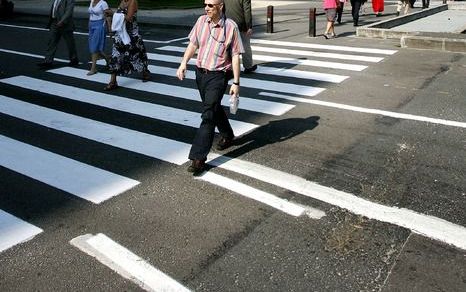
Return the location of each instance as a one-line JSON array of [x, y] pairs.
[[271, 133]]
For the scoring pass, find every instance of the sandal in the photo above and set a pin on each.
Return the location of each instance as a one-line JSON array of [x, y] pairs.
[[111, 86], [146, 76]]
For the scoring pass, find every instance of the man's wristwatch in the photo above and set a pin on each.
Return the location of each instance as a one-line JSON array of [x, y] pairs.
[[236, 83]]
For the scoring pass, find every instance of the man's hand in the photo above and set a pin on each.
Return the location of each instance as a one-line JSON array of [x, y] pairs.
[[59, 24], [249, 32], [234, 90], [181, 72]]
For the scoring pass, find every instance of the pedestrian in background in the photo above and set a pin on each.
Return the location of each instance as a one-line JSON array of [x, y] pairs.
[[340, 10], [97, 33], [330, 7], [218, 42], [400, 5], [355, 10], [240, 12], [128, 50], [61, 25], [378, 7]]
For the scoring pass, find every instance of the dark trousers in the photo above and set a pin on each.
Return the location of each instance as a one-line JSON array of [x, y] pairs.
[[355, 7], [340, 11], [212, 86], [56, 34]]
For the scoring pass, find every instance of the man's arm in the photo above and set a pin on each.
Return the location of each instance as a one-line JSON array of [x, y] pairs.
[[188, 54], [248, 16], [69, 7], [235, 62]]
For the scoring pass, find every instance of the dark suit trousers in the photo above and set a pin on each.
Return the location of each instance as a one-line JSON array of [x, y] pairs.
[[355, 7], [212, 86], [56, 34]]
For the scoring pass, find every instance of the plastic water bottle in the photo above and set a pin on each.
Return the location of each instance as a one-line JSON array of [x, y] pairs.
[[234, 101]]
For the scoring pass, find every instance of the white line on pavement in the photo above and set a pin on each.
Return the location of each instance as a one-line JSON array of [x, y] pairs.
[[286, 60], [369, 110], [275, 71], [31, 55], [324, 47], [251, 83], [131, 140], [283, 205], [77, 178], [426, 225], [154, 111], [317, 54], [14, 231], [127, 264], [261, 106]]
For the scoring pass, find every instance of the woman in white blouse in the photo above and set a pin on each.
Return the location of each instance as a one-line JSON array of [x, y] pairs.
[[97, 31]]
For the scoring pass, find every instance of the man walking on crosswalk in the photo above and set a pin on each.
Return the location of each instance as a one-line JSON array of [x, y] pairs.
[[61, 25], [219, 47]]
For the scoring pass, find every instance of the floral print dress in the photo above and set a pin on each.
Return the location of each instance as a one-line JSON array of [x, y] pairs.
[[131, 57]]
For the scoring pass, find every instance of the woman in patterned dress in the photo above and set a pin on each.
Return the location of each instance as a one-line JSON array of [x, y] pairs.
[[130, 57]]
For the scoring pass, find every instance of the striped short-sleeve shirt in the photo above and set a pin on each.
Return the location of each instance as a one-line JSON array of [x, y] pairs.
[[216, 43]]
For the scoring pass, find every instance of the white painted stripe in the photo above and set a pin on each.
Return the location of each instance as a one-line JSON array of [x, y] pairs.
[[154, 111], [317, 54], [31, 55], [283, 205], [124, 262], [150, 145], [285, 72], [311, 63], [286, 60], [267, 107], [79, 179], [251, 83], [426, 225], [369, 110], [24, 27], [324, 47], [14, 231]]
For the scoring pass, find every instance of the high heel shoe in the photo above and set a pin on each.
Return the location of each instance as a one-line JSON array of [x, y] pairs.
[[111, 86], [146, 76]]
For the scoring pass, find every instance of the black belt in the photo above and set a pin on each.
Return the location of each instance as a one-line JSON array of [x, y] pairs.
[[205, 71]]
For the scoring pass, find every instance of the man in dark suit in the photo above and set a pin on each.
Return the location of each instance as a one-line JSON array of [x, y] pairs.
[[61, 25]]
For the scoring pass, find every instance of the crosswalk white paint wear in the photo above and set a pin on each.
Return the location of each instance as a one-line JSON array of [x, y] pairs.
[[131, 140], [79, 179], [145, 109], [251, 104], [266, 70], [127, 264], [288, 60], [429, 226], [251, 83], [14, 231]]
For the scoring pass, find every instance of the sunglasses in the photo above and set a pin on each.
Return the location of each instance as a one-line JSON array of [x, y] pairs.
[[210, 5]]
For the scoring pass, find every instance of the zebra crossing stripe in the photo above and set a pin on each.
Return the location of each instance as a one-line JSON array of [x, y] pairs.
[[274, 71], [153, 146], [256, 105], [324, 47], [283, 205], [79, 179], [287, 60], [430, 226], [14, 231], [31, 55], [317, 54], [252, 83], [126, 263], [155, 111]]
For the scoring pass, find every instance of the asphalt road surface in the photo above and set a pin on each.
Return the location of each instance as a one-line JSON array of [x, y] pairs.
[[348, 172]]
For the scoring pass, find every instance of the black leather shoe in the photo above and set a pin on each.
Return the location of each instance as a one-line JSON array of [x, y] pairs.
[[224, 143], [197, 166], [73, 63], [250, 70], [45, 65]]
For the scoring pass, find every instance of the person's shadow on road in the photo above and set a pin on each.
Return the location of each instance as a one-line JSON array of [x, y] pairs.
[[273, 132]]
